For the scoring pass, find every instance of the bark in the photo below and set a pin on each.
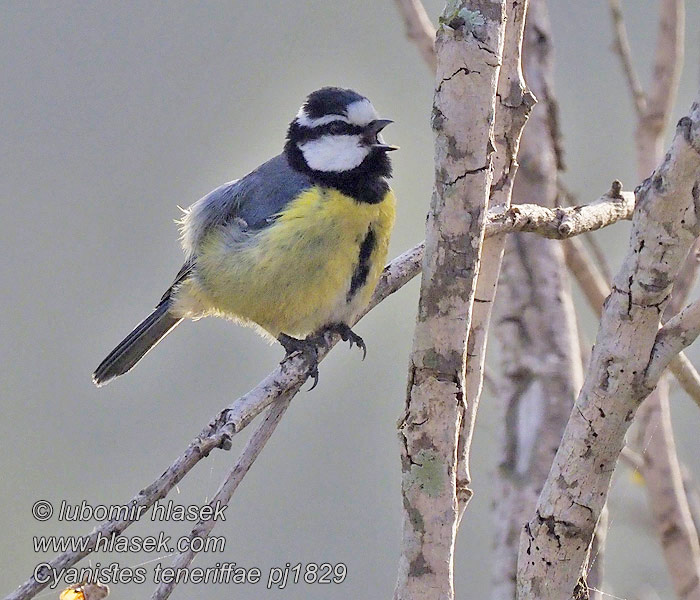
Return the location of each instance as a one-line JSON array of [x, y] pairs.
[[555, 542], [540, 372], [469, 47], [662, 472], [596, 559], [514, 103]]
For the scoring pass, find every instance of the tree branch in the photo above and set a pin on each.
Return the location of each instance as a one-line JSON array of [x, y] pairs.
[[561, 223], [661, 468], [419, 29], [251, 451], [469, 48], [540, 370], [665, 225], [284, 382], [597, 290], [668, 61], [667, 496], [673, 337], [622, 47], [594, 247], [514, 102]]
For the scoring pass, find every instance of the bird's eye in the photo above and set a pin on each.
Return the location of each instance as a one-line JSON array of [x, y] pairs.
[[336, 127]]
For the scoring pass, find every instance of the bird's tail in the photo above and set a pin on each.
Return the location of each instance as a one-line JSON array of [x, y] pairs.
[[135, 345]]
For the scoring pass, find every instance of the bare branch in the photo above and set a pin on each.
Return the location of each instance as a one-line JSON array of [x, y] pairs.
[[419, 29], [622, 47], [596, 291], [540, 364], [673, 337], [687, 376], [514, 103], [587, 275], [665, 225], [662, 473], [568, 198], [667, 497], [668, 61], [251, 451], [469, 48], [562, 223], [684, 282], [284, 381]]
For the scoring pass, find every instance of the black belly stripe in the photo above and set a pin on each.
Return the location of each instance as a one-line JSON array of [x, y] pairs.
[[359, 277]]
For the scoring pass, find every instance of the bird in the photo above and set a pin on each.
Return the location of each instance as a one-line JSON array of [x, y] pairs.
[[293, 249]]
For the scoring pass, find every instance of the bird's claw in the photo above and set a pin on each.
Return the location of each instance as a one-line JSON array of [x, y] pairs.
[[348, 335], [307, 348]]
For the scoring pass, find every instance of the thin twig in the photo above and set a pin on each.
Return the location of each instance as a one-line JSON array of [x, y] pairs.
[[251, 451], [419, 29], [622, 47]]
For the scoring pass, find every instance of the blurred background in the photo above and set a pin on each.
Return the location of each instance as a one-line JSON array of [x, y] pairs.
[[114, 113]]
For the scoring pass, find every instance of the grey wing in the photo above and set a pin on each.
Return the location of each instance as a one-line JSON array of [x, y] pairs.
[[254, 199], [184, 272]]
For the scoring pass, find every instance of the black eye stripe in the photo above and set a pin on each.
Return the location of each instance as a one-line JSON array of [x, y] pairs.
[[332, 128]]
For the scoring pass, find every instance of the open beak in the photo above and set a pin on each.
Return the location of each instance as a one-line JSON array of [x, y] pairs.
[[373, 130]]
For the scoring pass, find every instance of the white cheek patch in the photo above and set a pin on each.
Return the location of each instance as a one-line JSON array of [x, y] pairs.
[[361, 112], [334, 152]]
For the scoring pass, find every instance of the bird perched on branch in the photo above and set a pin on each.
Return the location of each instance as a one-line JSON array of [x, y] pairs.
[[295, 247]]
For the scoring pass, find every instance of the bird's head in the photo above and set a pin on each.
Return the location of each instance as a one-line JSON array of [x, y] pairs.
[[336, 133]]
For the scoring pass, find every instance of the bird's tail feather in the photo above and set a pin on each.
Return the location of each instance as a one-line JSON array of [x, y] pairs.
[[135, 345]]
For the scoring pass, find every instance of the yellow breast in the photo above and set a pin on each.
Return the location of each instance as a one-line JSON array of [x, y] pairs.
[[304, 271]]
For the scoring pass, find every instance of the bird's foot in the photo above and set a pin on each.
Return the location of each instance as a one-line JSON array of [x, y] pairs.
[[348, 335], [307, 347]]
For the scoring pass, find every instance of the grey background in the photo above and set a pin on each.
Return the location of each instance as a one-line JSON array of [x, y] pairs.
[[113, 113]]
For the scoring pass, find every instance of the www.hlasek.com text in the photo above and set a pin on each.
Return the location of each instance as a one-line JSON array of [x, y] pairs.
[[114, 542]]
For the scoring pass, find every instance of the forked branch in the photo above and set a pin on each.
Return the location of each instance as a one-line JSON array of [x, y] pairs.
[[287, 379]]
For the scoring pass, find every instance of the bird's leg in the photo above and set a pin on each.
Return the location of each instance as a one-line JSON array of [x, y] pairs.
[[348, 335], [307, 347]]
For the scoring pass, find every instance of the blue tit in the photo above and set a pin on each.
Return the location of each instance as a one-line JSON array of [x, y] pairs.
[[295, 247]]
